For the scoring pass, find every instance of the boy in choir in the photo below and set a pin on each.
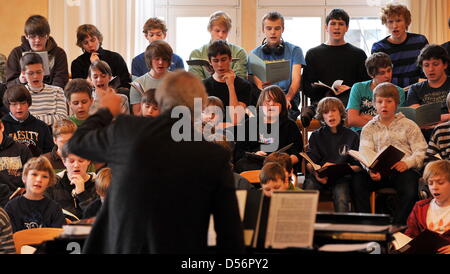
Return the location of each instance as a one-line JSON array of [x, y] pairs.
[[438, 145], [391, 128], [434, 213], [154, 29], [13, 157], [273, 178], [36, 39], [158, 56], [433, 60], [403, 47], [34, 209], [22, 126], [149, 106], [100, 74], [90, 39], [62, 132], [274, 48], [334, 60], [49, 103], [219, 26], [329, 146], [102, 181], [231, 89], [284, 160], [78, 94], [360, 107], [75, 186]]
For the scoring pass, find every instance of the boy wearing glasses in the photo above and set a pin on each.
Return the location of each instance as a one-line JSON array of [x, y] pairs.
[[49, 103], [37, 38]]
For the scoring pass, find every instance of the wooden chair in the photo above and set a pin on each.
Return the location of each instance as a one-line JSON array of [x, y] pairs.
[[251, 175], [373, 196], [34, 236]]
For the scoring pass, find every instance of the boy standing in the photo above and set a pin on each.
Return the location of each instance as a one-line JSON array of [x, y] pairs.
[[49, 102], [274, 48], [23, 127], [219, 26], [329, 146], [391, 128], [403, 47], [158, 56], [90, 39], [334, 60], [78, 94], [433, 213], [33, 209], [37, 38], [154, 29]]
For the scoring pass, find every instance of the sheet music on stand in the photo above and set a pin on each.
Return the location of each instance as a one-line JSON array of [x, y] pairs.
[[291, 219]]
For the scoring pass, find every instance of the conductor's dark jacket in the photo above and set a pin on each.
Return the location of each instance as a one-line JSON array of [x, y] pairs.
[[162, 192]]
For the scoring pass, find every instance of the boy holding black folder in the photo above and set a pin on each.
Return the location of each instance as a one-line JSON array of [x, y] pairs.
[[328, 146], [434, 213], [385, 129]]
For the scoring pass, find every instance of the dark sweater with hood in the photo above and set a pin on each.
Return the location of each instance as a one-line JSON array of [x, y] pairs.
[[80, 66], [32, 132], [13, 157], [59, 73]]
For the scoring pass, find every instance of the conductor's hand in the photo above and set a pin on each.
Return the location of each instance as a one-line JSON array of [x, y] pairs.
[[444, 250], [94, 57], [112, 102]]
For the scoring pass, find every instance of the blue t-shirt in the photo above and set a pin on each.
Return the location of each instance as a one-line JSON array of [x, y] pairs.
[[361, 98], [139, 67], [292, 53]]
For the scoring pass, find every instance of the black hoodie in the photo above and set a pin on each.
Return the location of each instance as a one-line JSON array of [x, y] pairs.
[[32, 132], [59, 72], [13, 157]]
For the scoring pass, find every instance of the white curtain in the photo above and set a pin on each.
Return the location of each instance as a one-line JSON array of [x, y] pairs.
[[120, 21], [429, 17]]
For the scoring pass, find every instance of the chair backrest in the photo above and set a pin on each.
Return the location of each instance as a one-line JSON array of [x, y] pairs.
[[251, 175], [35, 236]]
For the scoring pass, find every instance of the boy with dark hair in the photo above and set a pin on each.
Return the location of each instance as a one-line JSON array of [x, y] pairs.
[[333, 60], [78, 94], [402, 46], [233, 90], [360, 107], [219, 26], [274, 48], [154, 29], [21, 125], [158, 56], [49, 102], [329, 146], [13, 157], [75, 187], [149, 106], [37, 38], [387, 128], [90, 39], [433, 60], [33, 209], [284, 160]]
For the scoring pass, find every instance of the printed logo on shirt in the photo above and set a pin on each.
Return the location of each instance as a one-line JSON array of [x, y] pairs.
[[25, 137], [12, 164], [343, 150]]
